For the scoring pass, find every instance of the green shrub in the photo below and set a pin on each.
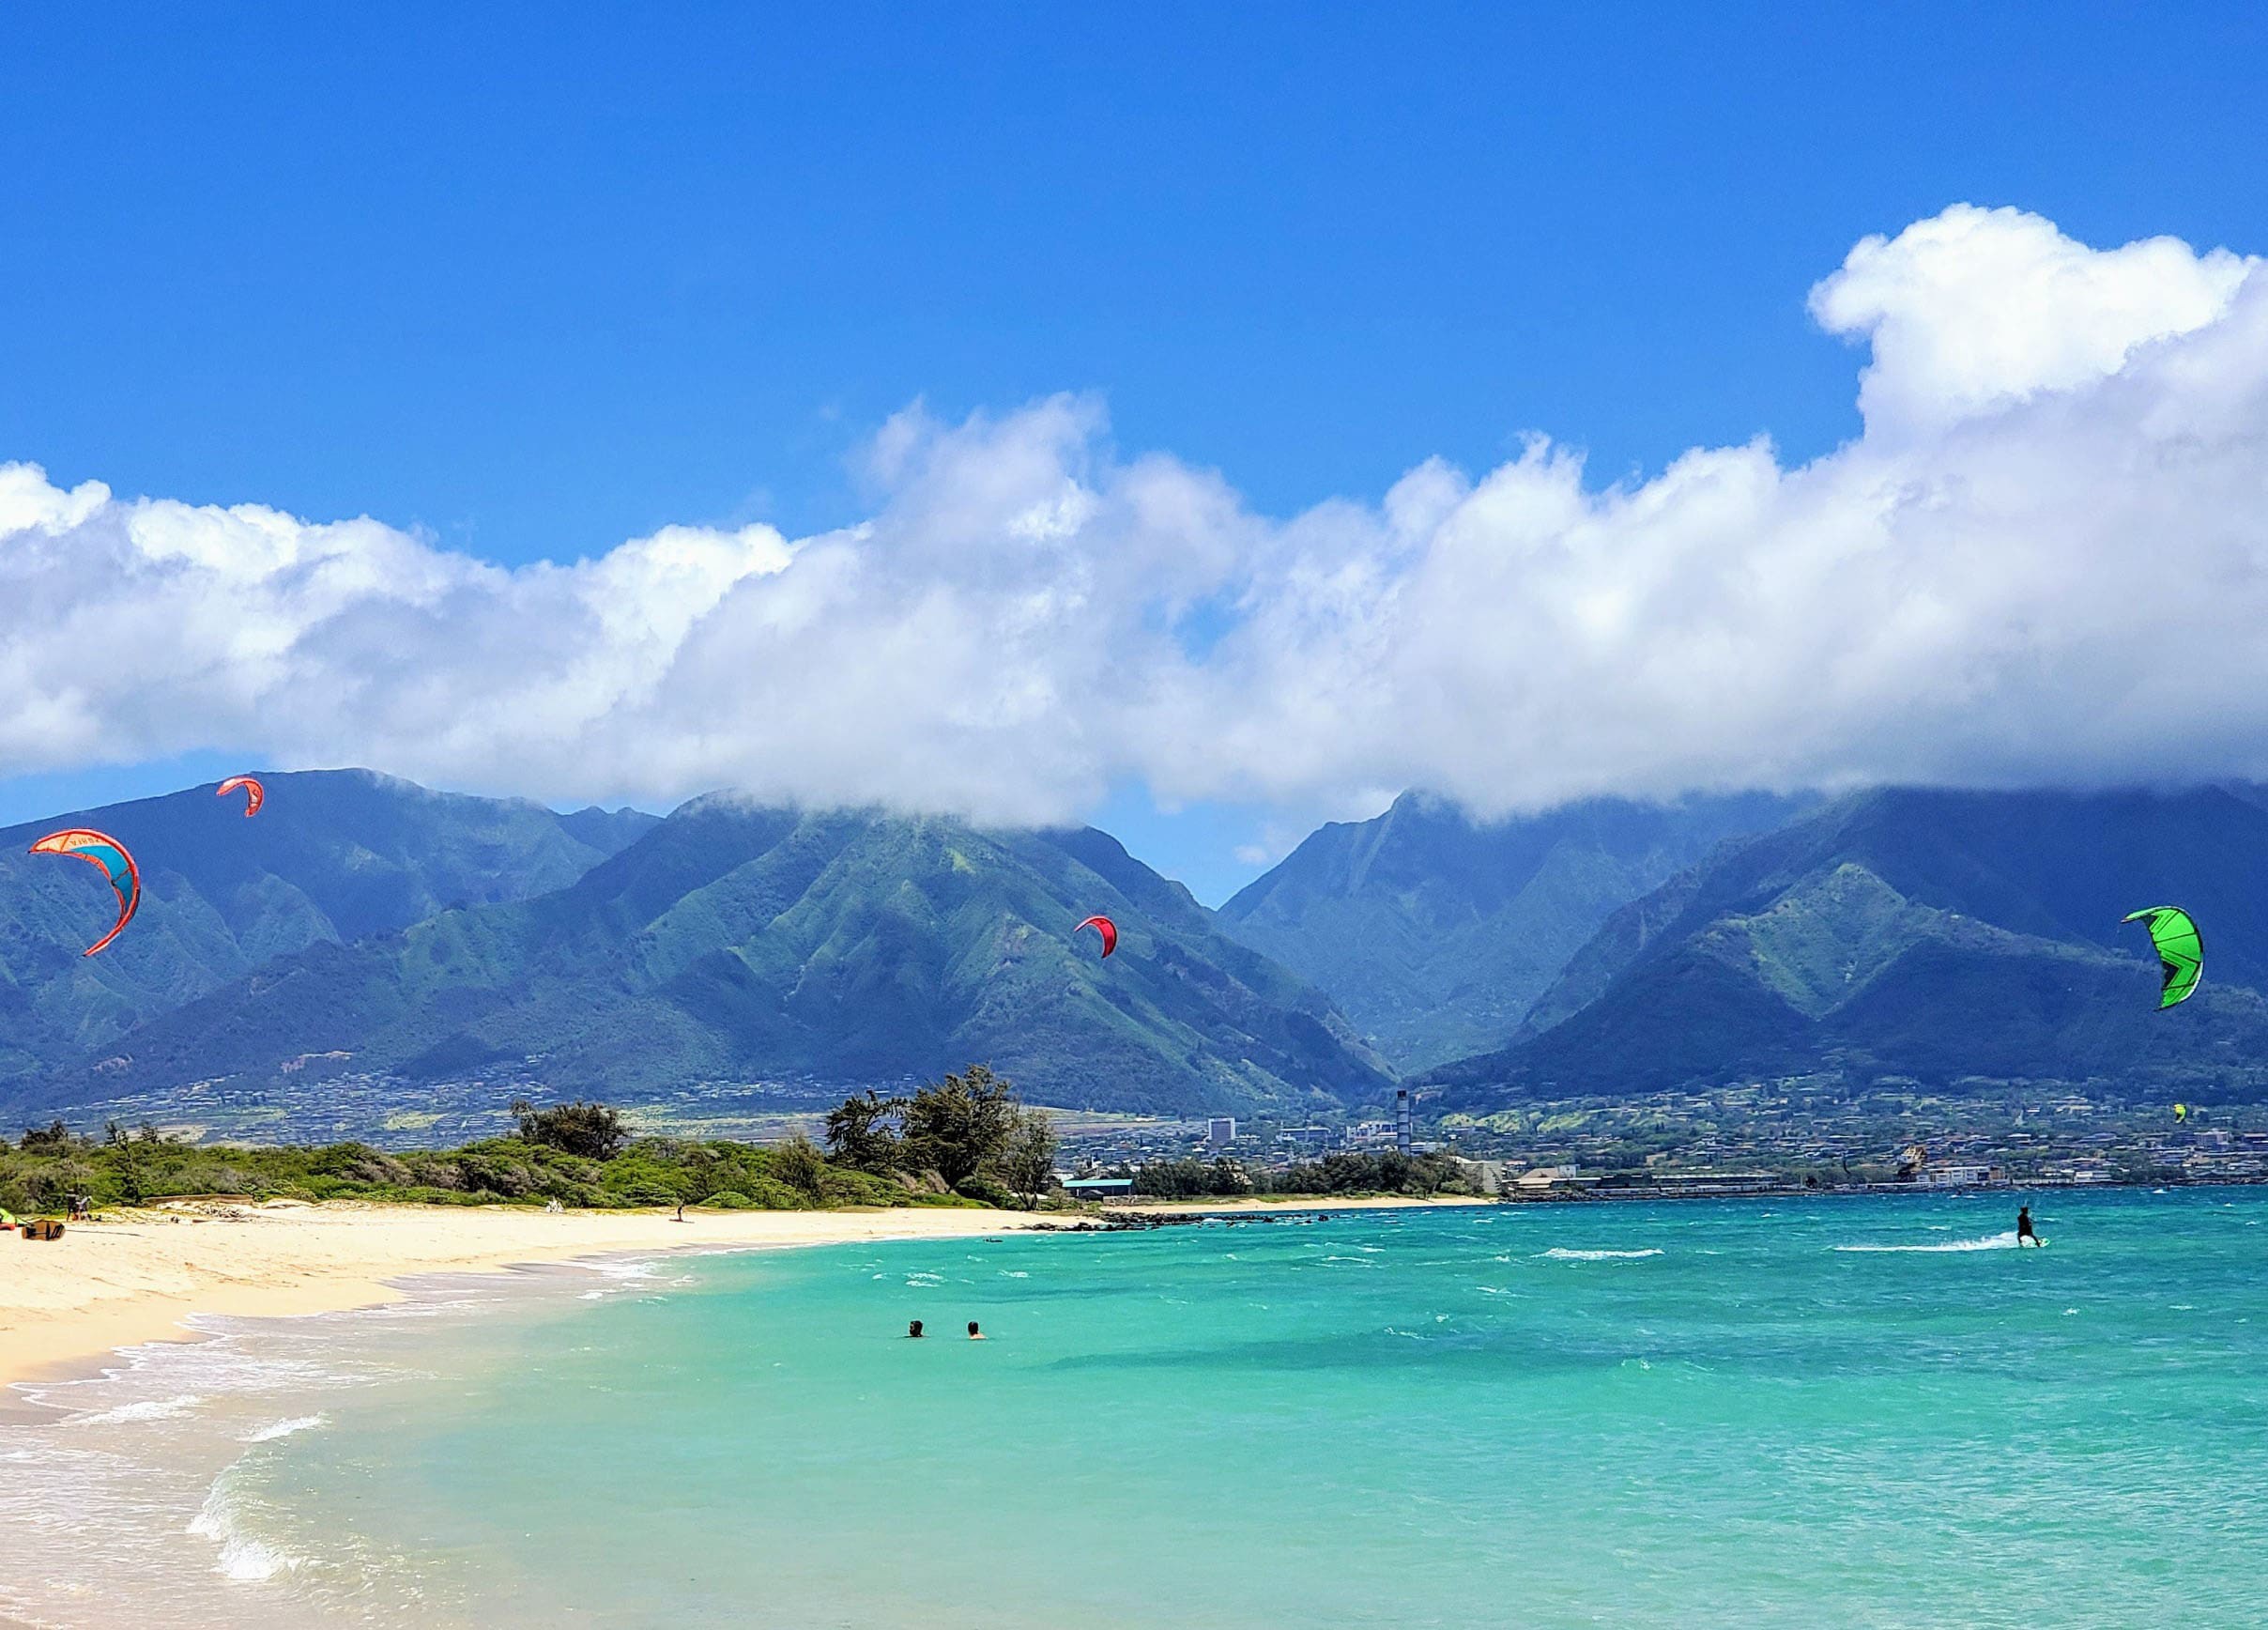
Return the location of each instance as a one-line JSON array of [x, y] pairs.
[[649, 1172], [774, 1195], [984, 1192]]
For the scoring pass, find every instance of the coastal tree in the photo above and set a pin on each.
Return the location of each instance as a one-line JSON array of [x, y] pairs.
[[1029, 1159], [798, 1163], [54, 1137], [592, 1130], [862, 1131], [961, 1127]]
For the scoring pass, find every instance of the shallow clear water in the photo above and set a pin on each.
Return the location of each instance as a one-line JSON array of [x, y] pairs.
[[1862, 1412]]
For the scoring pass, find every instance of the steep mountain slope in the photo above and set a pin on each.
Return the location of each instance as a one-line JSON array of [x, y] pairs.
[[334, 855], [1434, 934], [1941, 936], [732, 944]]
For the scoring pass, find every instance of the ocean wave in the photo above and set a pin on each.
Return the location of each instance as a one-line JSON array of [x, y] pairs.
[[146, 1410], [242, 1556], [285, 1428], [605, 1269], [1561, 1253], [1988, 1242]]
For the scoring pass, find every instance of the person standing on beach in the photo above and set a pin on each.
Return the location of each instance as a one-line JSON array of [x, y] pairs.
[[2024, 1227]]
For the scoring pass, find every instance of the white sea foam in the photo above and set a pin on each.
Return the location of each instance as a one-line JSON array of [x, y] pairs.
[[146, 1410], [242, 1556], [1989, 1243], [285, 1428], [1561, 1253], [621, 1269]]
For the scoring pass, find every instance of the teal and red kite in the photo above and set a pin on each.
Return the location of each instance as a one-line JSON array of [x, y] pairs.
[[99, 849]]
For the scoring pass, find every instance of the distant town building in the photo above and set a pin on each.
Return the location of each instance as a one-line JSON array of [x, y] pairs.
[[1220, 1130], [1715, 1182], [1402, 1120], [1097, 1187]]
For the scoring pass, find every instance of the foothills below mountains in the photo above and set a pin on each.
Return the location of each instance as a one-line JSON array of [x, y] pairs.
[[369, 947]]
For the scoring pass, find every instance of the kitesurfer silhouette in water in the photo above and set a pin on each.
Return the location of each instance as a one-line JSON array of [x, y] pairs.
[[2024, 1227]]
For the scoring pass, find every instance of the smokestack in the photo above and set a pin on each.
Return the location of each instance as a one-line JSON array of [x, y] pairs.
[[1402, 1120]]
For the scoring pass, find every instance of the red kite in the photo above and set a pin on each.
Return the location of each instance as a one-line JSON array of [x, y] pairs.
[[1105, 926]]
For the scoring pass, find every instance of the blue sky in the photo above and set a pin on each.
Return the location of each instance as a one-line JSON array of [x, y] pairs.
[[536, 280]]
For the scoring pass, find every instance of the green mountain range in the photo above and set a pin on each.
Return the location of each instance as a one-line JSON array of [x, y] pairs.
[[729, 945], [335, 857], [366, 947], [1435, 934], [1958, 940]]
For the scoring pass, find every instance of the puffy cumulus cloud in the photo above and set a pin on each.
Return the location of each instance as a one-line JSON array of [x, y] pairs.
[[1974, 309], [2045, 559]]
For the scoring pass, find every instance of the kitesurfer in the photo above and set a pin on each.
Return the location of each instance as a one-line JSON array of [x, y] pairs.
[[2024, 1231]]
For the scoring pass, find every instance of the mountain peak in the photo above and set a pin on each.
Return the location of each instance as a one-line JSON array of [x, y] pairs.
[[1435, 933]]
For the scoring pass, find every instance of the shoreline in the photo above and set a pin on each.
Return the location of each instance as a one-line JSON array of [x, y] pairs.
[[135, 1277]]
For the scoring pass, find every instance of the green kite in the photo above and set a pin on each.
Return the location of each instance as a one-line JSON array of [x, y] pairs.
[[2180, 953]]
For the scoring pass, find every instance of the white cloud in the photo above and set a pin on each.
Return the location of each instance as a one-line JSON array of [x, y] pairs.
[[2045, 559], [1974, 309]]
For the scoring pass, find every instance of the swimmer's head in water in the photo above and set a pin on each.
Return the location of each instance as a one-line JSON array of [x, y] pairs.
[[973, 1329], [913, 1328]]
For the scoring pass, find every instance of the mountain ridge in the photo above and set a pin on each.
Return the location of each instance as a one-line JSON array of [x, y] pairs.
[[336, 855], [1923, 934], [1435, 933], [740, 943]]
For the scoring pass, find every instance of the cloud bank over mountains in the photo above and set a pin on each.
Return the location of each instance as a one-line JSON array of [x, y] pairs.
[[2044, 560]]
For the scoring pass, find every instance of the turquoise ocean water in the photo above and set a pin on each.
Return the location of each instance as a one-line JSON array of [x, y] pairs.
[[1855, 1412]]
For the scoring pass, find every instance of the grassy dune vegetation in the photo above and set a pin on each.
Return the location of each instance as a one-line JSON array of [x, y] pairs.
[[49, 1166], [577, 1154]]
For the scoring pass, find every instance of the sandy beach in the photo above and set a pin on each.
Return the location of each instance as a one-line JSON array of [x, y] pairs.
[[133, 1276]]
